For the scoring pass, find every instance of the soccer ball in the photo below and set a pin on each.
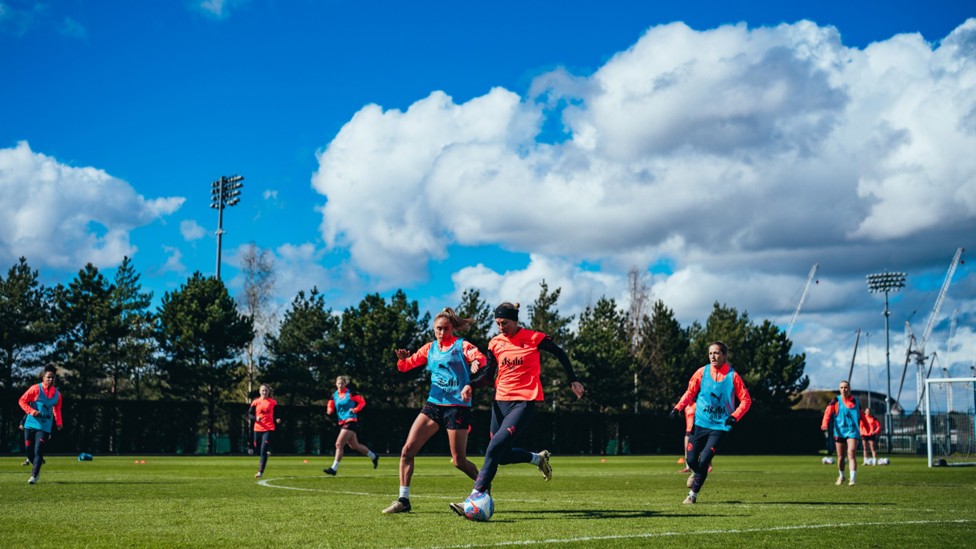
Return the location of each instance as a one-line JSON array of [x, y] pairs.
[[883, 461], [479, 507], [827, 461]]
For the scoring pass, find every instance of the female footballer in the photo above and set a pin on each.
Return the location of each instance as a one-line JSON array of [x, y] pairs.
[[514, 354], [262, 413], [347, 405], [450, 361]]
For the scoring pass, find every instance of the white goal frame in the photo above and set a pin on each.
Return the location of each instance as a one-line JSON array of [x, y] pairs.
[[928, 413]]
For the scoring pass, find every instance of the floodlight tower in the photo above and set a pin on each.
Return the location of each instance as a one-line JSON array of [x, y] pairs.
[[224, 192], [877, 283]]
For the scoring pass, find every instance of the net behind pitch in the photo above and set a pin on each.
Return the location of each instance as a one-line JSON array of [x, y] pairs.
[[949, 421]]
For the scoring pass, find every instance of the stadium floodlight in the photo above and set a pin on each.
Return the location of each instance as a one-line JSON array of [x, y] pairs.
[[224, 192], [886, 283]]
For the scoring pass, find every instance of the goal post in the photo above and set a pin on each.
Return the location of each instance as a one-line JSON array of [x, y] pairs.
[[950, 429]]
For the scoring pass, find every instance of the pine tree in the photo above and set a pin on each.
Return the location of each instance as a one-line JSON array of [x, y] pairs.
[[601, 348], [26, 330], [544, 317], [135, 347], [301, 357], [664, 352], [200, 336], [370, 335], [90, 329]]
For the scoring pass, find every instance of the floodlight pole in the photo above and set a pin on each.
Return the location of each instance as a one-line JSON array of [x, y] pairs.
[[224, 192], [886, 282]]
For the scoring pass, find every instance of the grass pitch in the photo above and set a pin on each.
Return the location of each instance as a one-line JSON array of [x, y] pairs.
[[632, 501]]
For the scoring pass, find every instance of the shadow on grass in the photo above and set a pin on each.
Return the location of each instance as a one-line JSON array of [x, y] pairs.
[[591, 514], [110, 482], [823, 503]]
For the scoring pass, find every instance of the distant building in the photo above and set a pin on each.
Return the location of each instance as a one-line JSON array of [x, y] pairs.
[[818, 400]]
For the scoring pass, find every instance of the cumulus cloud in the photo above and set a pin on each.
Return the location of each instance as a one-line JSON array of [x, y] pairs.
[[723, 153], [725, 143], [578, 287], [377, 174], [62, 216], [300, 267]]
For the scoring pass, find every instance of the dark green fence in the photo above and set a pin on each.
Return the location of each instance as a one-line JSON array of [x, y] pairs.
[[172, 427]]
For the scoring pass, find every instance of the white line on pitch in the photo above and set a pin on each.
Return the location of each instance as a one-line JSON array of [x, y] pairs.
[[701, 532], [267, 483]]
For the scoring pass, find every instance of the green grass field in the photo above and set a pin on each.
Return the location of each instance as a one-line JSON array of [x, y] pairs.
[[748, 501]]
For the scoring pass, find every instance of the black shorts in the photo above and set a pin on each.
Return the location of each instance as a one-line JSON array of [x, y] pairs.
[[869, 438], [350, 426], [842, 440], [452, 418]]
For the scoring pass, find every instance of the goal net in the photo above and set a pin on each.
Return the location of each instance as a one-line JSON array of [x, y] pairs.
[[949, 427]]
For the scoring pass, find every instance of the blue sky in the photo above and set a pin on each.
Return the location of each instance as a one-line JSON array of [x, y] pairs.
[[721, 147]]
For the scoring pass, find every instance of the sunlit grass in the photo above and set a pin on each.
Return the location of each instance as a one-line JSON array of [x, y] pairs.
[[748, 501]]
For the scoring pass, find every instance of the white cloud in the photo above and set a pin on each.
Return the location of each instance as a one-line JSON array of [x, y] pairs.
[[61, 216], [578, 287], [174, 261], [675, 142], [270, 194], [919, 159], [299, 267], [724, 153], [191, 230], [376, 171]]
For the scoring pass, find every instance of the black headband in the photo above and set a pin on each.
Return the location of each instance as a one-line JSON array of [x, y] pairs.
[[507, 313]]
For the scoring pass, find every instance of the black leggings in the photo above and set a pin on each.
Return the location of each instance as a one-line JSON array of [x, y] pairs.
[[35, 440], [702, 445], [509, 419], [262, 443]]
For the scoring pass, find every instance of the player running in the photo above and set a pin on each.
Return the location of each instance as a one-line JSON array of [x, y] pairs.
[[714, 389], [450, 361], [689, 426], [263, 415], [347, 405], [514, 355], [42, 404], [844, 414]]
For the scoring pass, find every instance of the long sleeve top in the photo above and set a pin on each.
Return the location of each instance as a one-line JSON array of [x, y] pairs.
[[718, 374], [30, 396]]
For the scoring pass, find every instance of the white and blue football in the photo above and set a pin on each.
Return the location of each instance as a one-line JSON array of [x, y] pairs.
[[479, 507]]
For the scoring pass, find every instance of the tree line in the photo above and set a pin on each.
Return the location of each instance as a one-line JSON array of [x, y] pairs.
[[202, 345]]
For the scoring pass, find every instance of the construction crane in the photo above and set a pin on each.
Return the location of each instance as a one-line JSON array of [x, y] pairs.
[[919, 352], [910, 339], [948, 363], [952, 333], [803, 297]]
